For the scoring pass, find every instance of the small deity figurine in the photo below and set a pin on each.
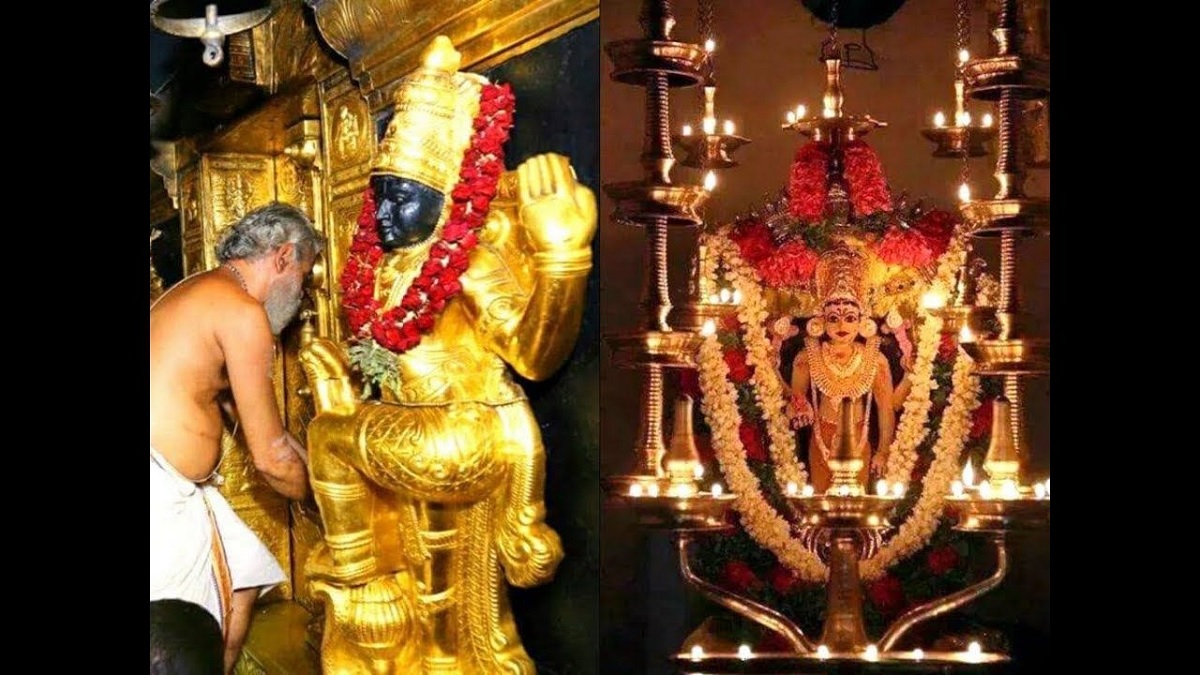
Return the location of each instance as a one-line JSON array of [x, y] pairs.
[[432, 496], [841, 360]]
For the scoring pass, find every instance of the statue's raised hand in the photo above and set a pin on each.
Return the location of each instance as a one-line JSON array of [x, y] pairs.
[[558, 213]]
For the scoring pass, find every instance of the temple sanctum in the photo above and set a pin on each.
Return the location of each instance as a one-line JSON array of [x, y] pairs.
[[681, 337]]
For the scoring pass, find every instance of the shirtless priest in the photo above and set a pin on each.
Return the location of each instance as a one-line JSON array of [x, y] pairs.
[[211, 335]]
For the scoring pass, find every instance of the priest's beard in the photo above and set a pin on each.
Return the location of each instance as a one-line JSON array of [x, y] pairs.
[[283, 302]]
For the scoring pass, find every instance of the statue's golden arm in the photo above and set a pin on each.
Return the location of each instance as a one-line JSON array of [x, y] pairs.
[[526, 283]]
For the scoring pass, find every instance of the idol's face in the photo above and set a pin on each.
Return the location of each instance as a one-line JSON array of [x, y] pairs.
[[406, 212], [842, 321]]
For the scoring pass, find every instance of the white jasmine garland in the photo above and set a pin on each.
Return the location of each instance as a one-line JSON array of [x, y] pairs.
[[763, 523]]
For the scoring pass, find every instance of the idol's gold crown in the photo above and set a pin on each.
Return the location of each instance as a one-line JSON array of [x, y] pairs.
[[840, 276], [435, 108]]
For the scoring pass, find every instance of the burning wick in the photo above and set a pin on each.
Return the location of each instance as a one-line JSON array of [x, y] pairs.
[[964, 193], [872, 653], [744, 652], [918, 653], [822, 652], [956, 488], [635, 490], [881, 488], [654, 489], [898, 489], [939, 120], [987, 120], [709, 327], [801, 111], [974, 651], [791, 489], [710, 45], [985, 490], [716, 490], [697, 652], [1039, 491], [968, 475], [808, 490], [728, 127]]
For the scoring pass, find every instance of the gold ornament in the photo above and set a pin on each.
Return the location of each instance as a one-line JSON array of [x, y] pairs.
[[431, 127]]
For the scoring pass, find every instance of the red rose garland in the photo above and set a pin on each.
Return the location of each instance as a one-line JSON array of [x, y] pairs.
[[809, 180], [402, 327]]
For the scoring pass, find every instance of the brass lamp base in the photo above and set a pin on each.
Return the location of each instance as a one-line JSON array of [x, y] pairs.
[[974, 514], [954, 317], [639, 61], [959, 141], [1017, 356], [648, 204], [852, 512], [695, 512], [1026, 216], [672, 349], [708, 151], [691, 316], [802, 664], [1024, 77], [849, 127]]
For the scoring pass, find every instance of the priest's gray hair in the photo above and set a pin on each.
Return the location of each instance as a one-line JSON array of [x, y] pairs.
[[265, 229]]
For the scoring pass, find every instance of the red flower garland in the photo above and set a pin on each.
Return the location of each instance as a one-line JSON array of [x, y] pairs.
[[865, 180], [402, 327], [789, 265]]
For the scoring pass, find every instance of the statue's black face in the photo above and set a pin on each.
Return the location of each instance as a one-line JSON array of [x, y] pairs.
[[406, 212]]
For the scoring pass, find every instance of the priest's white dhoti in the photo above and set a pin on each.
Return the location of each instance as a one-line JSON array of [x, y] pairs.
[[200, 551]]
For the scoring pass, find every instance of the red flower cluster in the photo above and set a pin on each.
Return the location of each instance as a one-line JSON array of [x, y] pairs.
[[402, 327], [947, 348], [937, 227], [753, 240], [792, 265], [737, 576], [752, 441], [865, 180], [887, 594], [942, 560], [739, 370], [782, 579], [907, 248], [789, 265], [981, 419], [809, 181]]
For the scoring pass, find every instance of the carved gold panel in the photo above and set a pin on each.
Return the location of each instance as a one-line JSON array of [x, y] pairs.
[[347, 124], [383, 39], [233, 185], [190, 223]]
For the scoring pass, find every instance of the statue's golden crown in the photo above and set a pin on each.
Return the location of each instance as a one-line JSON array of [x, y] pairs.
[[431, 128], [841, 276]]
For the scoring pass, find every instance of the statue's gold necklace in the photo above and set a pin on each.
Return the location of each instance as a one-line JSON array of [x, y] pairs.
[[837, 381]]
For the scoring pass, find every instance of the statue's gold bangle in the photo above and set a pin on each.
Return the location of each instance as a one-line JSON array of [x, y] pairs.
[[563, 263]]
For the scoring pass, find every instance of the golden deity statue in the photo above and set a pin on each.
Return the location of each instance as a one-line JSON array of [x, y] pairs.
[[432, 495], [841, 360]]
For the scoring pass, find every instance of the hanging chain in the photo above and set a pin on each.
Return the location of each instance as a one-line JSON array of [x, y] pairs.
[[705, 20], [830, 48], [963, 28], [962, 40]]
